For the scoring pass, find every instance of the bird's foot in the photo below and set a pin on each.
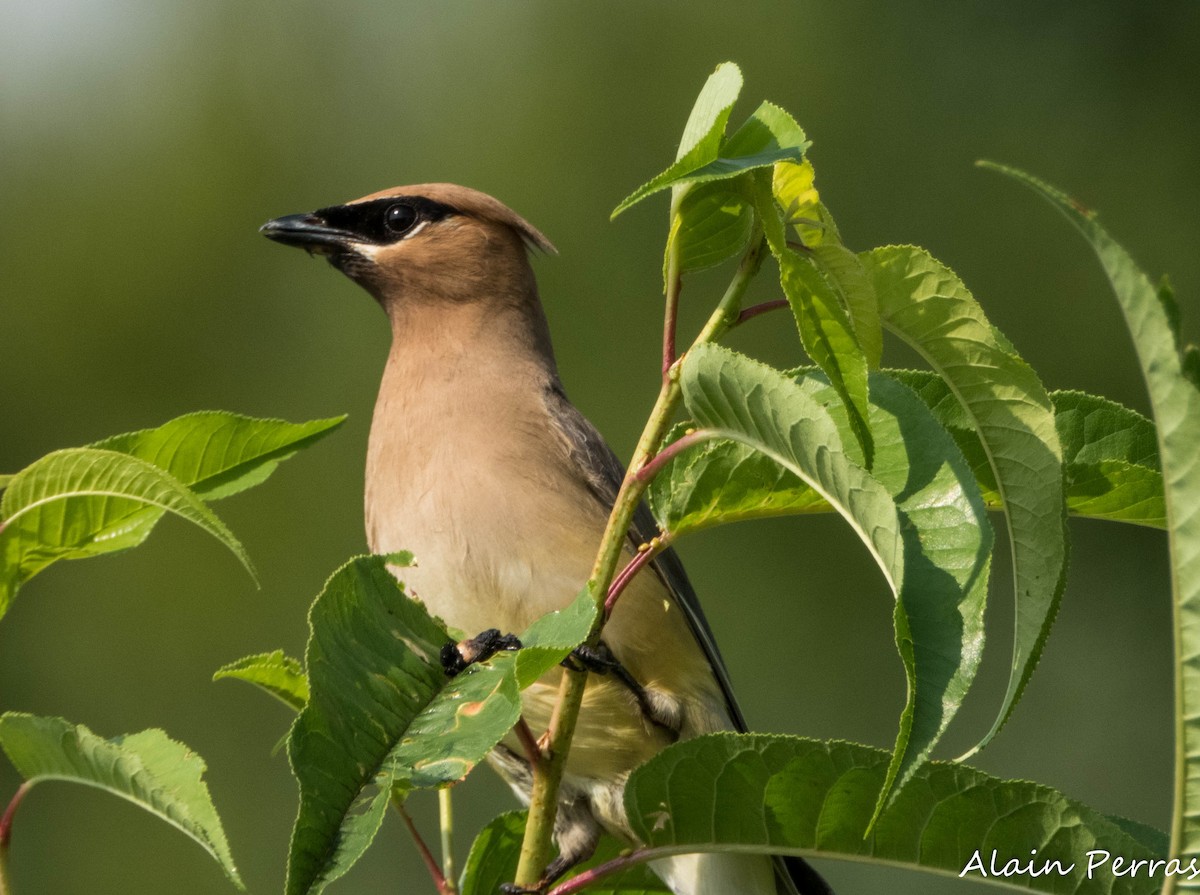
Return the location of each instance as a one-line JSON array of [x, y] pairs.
[[457, 657], [554, 870], [599, 659]]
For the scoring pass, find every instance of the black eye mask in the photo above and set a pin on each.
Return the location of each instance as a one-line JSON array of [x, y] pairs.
[[384, 221]]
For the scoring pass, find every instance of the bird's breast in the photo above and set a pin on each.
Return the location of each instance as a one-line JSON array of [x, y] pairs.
[[466, 477]]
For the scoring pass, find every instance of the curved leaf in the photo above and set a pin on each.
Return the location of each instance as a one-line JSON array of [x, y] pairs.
[[217, 453], [788, 795], [829, 339], [1152, 318], [921, 518], [767, 137], [380, 712], [844, 271], [72, 503], [148, 768], [1109, 452], [924, 303], [717, 482], [701, 135], [214, 453], [281, 676], [551, 638], [714, 223]]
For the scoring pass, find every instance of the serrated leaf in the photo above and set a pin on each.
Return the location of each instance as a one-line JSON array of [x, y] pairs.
[[767, 137], [1109, 451], [798, 204], [923, 302], [217, 453], [792, 185], [701, 135], [471, 714], [281, 676], [829, 339], [1176, 402], [844, 272], [70, 504], [492, 862], [921, 519], [213, 452], [789, 795], [551, 638], [717, 482], [148, 768], [714, 223], [380, 712]]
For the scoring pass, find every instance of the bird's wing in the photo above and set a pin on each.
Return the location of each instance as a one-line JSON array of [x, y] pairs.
[[604, 474]]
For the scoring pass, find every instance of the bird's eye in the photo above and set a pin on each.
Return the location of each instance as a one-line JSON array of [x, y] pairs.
[[400, 218]]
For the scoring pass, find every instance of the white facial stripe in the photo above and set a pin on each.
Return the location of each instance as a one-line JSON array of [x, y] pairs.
[[415, 230]]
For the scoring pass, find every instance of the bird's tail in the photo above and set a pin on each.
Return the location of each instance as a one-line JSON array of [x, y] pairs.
[[716, 873]]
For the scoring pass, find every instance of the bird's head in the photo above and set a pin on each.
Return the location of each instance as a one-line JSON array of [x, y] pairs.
[[428, 242]]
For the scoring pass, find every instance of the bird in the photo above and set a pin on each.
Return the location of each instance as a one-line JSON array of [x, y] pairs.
[[480, 466]]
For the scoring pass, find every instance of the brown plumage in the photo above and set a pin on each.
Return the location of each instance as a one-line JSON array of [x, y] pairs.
[[479, 465]]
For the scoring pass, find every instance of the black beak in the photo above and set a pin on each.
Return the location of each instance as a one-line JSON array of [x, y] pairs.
[[308, 231]]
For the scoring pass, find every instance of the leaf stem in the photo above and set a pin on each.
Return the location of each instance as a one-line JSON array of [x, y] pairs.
[[645, 554], [755, 310], [543, 803], [581, 881], [6, 824], [663, 457], [431, 863]]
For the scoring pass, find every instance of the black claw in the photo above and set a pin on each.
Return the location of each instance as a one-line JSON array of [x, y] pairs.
[[456, 657]]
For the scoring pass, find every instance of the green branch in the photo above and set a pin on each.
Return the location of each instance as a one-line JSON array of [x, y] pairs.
[[543, 806]]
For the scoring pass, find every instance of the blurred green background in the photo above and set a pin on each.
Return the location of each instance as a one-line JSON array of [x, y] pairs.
[[144, 141]]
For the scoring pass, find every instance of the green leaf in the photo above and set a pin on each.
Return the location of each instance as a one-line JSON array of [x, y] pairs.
[[456, 730], [921, 518], [494, 854], [844, 272], [829, 339], [793, 187], [148, 768], [701, 135], [714, 223], [492, 862], [799, 205], [788, 795], [768, 136], [214, 453], [1109, 451], [380, 712], [924, 303], [70, 503], [551, 638], [217, 453], [717, 482], [281, 676], [1176, 402]]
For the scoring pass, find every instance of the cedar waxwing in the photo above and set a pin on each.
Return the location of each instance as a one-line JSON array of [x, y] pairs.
[[480, 466]]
